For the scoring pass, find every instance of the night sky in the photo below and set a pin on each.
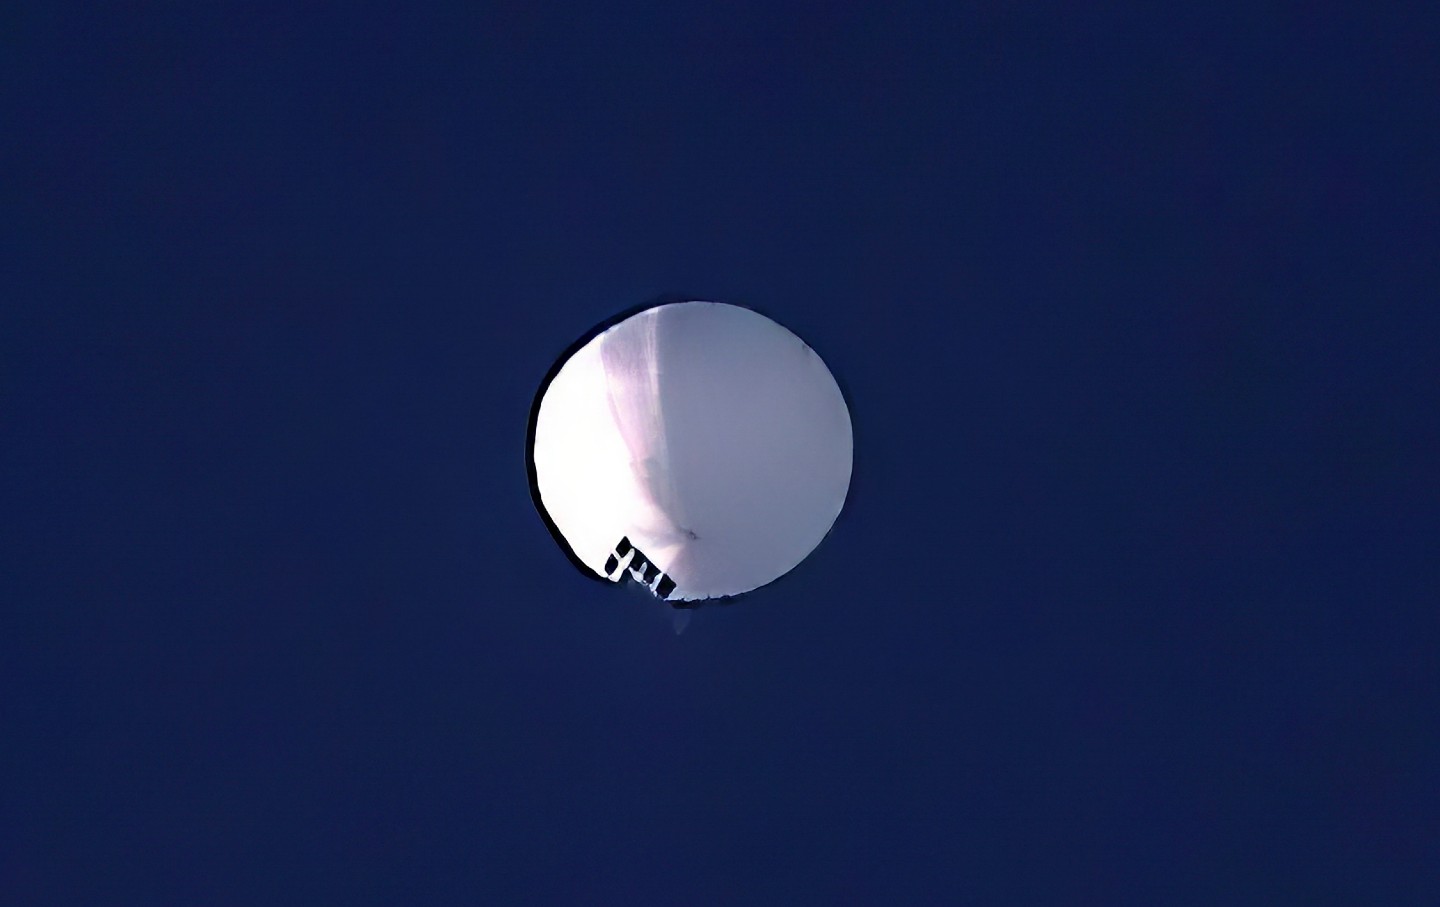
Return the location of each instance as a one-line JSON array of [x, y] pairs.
[[1136, 596]]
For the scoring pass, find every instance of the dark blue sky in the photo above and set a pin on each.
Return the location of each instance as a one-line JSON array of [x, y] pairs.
[[1134, 600]]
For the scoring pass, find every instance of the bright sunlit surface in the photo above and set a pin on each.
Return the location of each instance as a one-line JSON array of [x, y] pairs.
[[699, 447]]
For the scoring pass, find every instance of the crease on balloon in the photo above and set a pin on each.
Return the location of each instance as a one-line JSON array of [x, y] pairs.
[[631, 359]]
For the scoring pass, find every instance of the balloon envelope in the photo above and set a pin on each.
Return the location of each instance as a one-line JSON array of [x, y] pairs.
[[699, 447]]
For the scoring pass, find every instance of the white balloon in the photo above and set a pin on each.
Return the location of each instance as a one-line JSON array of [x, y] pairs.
[[699, 447]]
